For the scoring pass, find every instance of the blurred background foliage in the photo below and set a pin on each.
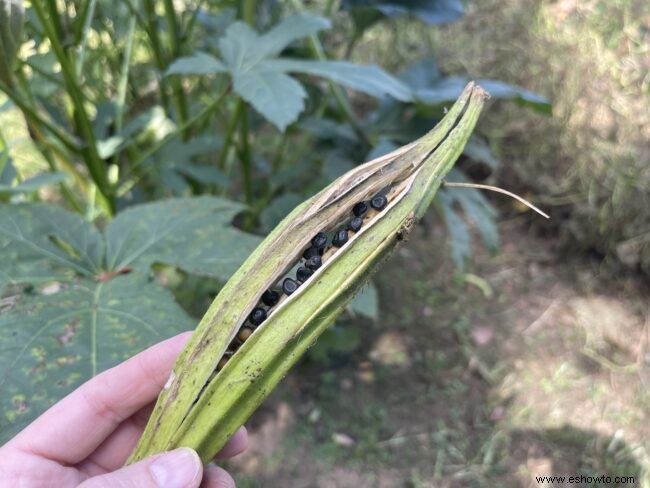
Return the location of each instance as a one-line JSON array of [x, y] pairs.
[[148, 146]]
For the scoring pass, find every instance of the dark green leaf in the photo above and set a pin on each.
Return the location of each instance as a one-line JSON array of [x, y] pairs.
[[278, 209], [448, 89], [366, 303], [91, 300], [291, 29], [194, 234], [383, 146], [459, 241], [51, 342], [478, 150], [7, 169], [430, 11], [34, 183], [49, 236], [208, 175]]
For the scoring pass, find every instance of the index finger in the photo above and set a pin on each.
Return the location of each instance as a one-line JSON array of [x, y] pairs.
[[73, 428]]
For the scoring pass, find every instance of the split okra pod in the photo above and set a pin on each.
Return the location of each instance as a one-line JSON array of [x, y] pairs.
[[263, 320]]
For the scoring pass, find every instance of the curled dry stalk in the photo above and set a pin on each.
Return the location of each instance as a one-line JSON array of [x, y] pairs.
[[214, 387]]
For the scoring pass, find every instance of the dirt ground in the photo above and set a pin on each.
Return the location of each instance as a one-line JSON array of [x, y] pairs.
[[530, 363]]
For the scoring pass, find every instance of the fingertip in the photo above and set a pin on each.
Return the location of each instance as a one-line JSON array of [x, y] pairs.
[[216, 477], [236, 445]]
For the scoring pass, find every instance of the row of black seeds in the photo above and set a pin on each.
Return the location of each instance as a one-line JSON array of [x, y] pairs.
[[313, 261]]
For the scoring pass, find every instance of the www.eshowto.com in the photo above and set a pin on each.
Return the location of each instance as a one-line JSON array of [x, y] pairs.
[[582, 479]]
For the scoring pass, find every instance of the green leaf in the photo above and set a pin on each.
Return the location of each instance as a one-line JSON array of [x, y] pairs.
[[49, 236], [260, 78], [12, 19], [52, 342], [199, 63], [366, 303], [278, 97], [459, 241], [291, 29], [367, 79], [35, 182], [194, 234], [175, 164], [430, 11], [278, 209], [448, 89], [478, 150], [90, 300]]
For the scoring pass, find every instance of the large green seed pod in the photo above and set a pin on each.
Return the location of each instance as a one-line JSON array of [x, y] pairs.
[[202, 408]]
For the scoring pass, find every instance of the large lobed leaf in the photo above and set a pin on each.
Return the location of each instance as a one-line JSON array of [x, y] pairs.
[[87, 298], [260, 76], [51, 343]]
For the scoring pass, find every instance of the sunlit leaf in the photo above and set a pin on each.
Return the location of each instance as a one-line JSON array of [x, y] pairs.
[[199, 63], [278, 97]]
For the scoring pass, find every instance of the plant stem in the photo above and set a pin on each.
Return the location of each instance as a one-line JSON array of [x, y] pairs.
[[248, 11], [93, 162], [175, 49], [88, 14], [227, 140], [245, 156], [150, 28], [124, 75]]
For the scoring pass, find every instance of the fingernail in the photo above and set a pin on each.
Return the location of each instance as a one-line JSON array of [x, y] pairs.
[[176, 469]]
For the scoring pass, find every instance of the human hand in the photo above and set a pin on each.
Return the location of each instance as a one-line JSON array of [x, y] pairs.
[[86, 438]]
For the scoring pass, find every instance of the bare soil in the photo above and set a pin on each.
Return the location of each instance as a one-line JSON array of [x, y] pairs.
[[528, 364]]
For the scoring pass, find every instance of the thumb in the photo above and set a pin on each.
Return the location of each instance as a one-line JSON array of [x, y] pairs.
[[180, 468]]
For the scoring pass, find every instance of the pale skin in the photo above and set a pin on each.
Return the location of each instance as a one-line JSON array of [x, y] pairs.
[[85, 439]]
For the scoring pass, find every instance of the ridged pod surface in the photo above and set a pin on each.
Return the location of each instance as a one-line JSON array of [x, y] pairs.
[[202, 408]]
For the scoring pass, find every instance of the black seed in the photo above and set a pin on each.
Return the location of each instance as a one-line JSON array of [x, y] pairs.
[[379, 202], [312, 251], [257, 316], [360, 209], [289, 286], [303, 274], [355, 224], [314, 263], [270, 298], [319, 240], [340, 238]]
